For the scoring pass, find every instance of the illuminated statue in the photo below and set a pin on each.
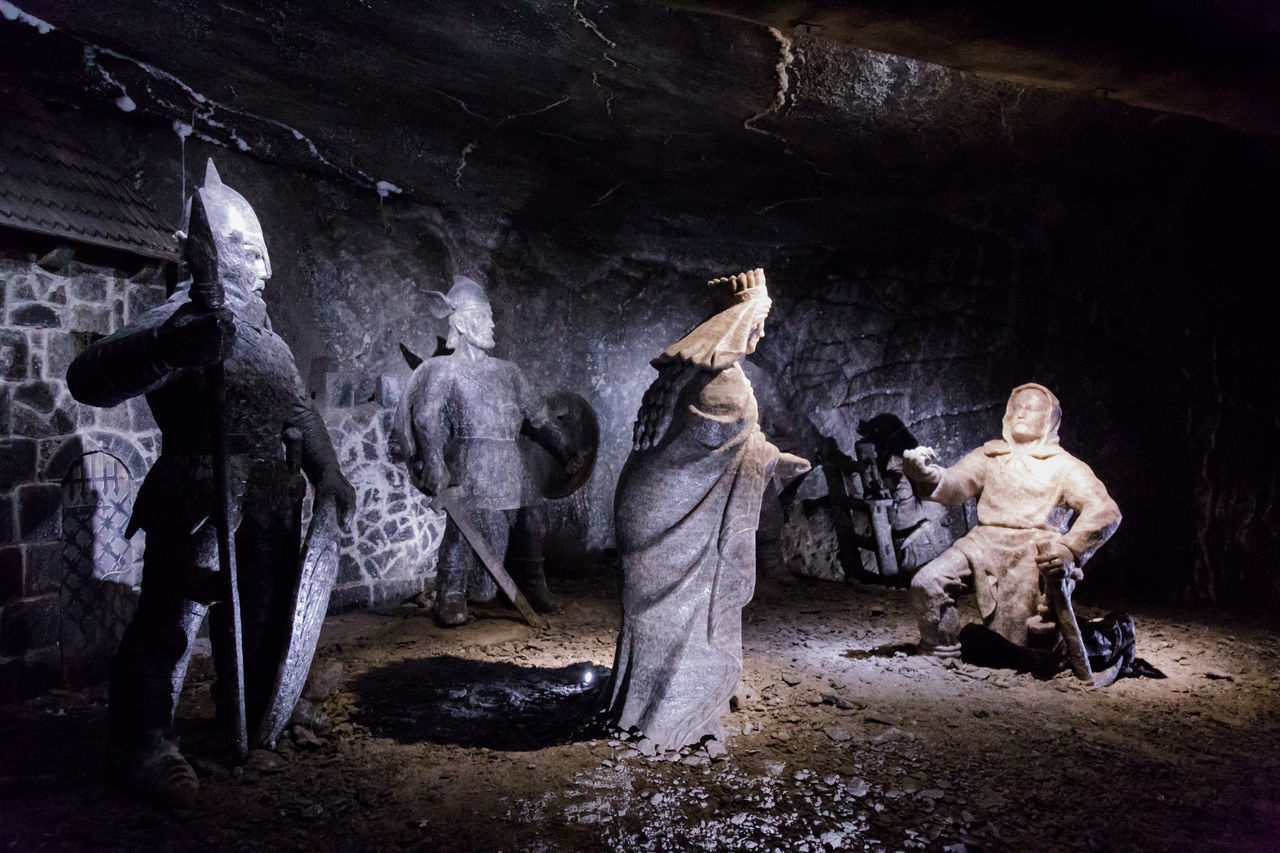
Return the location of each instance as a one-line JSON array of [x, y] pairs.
[[1028, 489], [217, 323], [460, 425], [686, 510]]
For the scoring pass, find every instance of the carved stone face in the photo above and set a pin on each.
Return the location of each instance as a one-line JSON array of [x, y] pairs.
[[1029, 416], [475, 323], [242, 264], [255, 261]]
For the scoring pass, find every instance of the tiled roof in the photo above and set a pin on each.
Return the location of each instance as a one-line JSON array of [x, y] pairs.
[[52, 185]]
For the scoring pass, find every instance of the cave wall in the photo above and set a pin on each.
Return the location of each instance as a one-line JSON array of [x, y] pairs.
[[1130, 300], [931, 239], [1137, 305]]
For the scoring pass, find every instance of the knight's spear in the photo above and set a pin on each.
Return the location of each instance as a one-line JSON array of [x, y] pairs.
[[207, 294]]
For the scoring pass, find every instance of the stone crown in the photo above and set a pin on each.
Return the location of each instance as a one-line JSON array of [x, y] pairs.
[[736, 289]]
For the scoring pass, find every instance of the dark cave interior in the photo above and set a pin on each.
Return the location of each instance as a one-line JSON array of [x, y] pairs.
[[948, 199]]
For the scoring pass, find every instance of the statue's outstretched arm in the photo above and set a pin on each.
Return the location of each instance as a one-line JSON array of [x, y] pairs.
[[950, 486], [143, 357]]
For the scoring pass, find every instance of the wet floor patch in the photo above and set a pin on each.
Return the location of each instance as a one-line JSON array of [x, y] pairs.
[[453, 700]]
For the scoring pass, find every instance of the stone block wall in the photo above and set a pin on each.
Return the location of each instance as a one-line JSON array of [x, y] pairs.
[[389, 551], [68, 474]]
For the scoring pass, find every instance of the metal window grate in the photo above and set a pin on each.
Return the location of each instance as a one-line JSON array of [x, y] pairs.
[[100, 566]]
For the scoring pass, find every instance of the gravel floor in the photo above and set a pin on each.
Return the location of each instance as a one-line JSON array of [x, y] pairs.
[[482, 738]]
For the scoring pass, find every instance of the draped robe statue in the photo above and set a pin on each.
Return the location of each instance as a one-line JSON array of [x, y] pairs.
[[686, 511]]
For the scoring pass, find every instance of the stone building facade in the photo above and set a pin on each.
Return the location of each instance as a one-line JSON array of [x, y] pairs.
[[389, 552], [68, 474]]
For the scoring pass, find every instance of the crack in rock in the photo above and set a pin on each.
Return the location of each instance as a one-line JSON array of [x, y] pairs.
[[776, 204], [786, 58], [538, 111], [462, 163], [473, 144], [462, 105], [605, 197], [590, 25]]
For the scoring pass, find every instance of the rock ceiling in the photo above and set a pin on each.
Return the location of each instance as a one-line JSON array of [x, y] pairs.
[[612, 112], [1216, 59]]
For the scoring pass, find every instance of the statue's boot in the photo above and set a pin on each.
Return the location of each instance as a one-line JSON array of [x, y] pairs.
[[532, 580], [451, 595], [156, 772], [481, 587]]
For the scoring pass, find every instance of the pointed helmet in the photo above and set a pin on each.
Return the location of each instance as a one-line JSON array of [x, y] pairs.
[[465, 293], [227, 212]]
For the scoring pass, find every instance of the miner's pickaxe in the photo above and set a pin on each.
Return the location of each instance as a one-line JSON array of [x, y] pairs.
[[208, 295], [1077, 655]]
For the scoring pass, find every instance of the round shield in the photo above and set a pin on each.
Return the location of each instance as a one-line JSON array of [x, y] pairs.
[[561, 456]]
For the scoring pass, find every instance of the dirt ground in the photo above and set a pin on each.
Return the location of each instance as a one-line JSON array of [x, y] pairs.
[[480, 738]]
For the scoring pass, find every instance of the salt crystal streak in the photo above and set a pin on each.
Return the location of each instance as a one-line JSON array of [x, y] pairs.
[[11, 12]]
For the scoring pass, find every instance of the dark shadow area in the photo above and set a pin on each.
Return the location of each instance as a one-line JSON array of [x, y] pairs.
[[43, 749], [888, 650], [452, 700], [1108, 641]]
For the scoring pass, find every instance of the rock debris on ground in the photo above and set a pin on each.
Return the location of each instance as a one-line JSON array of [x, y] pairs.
[[483, 738]]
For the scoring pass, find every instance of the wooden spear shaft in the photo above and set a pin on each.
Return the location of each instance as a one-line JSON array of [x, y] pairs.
[[216, 387]]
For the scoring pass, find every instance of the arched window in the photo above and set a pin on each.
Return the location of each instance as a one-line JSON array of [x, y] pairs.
[[101, 569]]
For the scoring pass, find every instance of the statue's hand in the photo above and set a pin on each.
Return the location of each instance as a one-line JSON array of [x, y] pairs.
[[334, 485], [446, 494], [752, 279], [430, 476], [790, 466], [193, 338], [920, 464], [1057, 562]]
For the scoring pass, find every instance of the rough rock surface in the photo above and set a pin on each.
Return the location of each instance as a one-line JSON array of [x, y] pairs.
[[935, 236]]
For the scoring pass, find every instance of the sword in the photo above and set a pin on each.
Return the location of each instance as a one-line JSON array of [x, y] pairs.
[[448, 501], [1060, 601]]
